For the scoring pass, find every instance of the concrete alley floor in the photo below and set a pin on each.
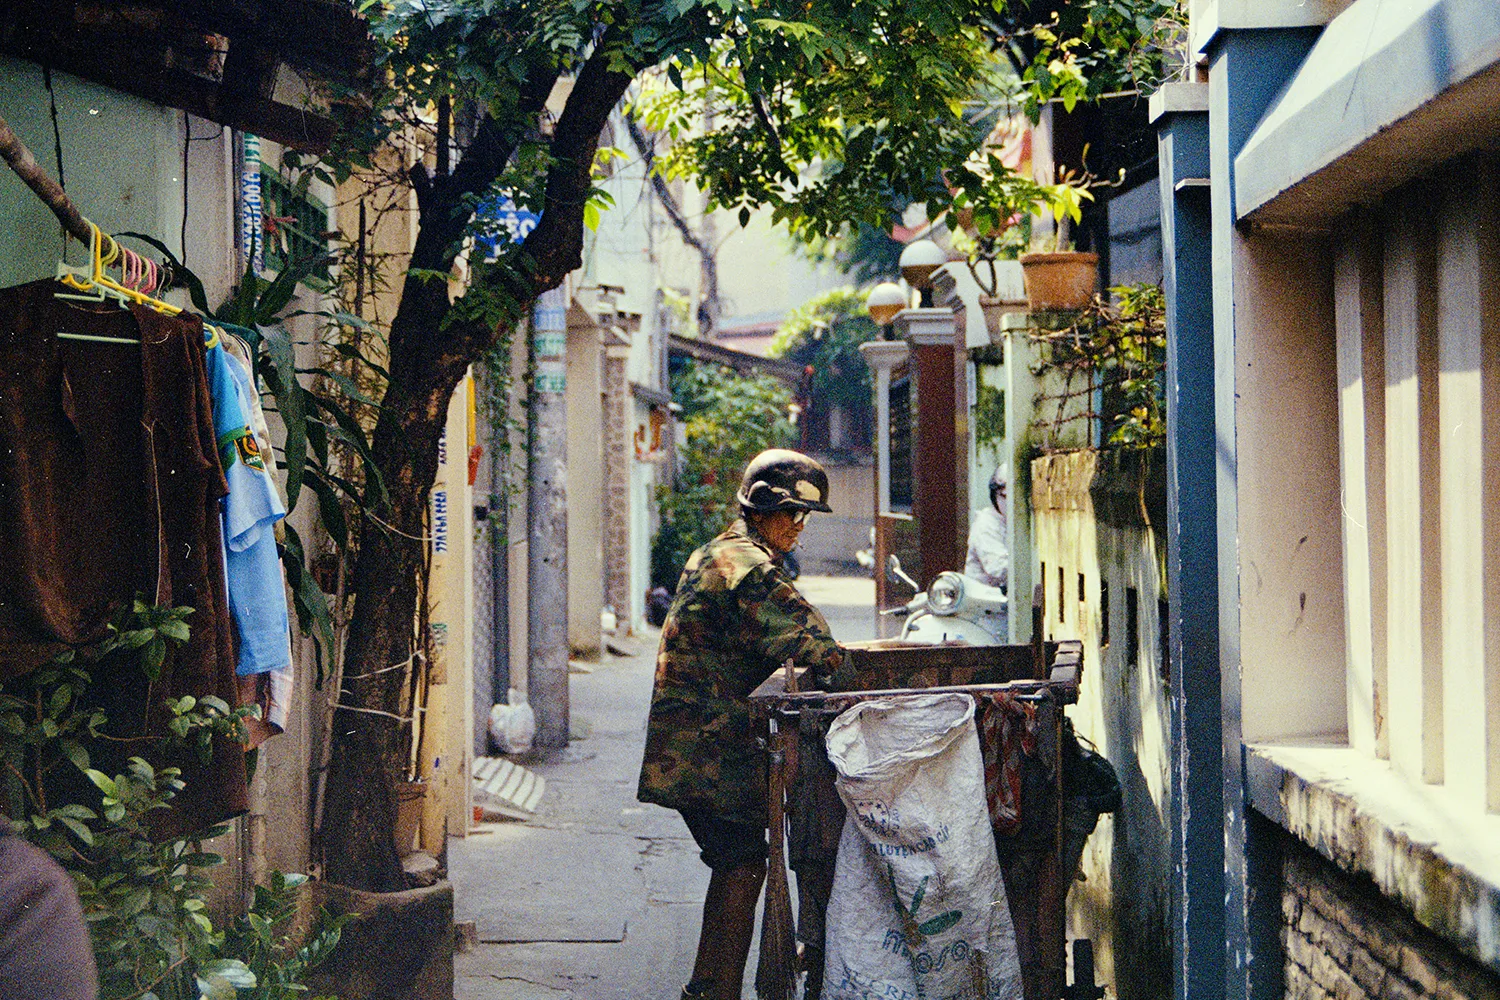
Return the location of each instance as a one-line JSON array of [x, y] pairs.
[[599, 897]]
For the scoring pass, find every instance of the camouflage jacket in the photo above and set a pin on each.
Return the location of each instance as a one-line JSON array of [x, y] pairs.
[[735, 620]]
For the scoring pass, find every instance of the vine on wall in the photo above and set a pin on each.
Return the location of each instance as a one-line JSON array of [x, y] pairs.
[[1104, 366]]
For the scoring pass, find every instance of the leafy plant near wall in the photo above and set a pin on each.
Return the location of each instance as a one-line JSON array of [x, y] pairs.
[[729, 419], [1116, 350], [1072, 52], [145, 902], [327, 446], [825, 334], [989, 415]]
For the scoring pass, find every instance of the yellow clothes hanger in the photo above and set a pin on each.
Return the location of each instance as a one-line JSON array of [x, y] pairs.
[[82, 279], [106, 285]]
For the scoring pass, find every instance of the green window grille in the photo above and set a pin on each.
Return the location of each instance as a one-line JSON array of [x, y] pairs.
[[300, 237]]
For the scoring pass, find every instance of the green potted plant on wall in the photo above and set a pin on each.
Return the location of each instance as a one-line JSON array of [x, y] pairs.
[[995, 215]]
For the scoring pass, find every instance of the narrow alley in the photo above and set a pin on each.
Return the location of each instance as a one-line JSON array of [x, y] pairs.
[[600, 896]]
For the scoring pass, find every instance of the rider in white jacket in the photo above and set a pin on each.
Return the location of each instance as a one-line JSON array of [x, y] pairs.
[[989, 556]]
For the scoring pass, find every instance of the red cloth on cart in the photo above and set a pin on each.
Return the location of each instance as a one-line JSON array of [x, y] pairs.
[[1007, 735]]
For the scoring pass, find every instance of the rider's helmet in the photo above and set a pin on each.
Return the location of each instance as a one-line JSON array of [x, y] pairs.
[[998, 483], [780, 479]]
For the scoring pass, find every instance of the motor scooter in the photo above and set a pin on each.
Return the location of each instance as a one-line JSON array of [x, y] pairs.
[[955, 608]]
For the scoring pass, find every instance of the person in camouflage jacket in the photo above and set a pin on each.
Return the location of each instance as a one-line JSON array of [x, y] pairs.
[[735, 620]]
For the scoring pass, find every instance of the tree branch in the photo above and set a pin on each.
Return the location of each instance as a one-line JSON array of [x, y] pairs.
[[440, 200], [15, 153], [757, 105], [663, 193], [555, 246]]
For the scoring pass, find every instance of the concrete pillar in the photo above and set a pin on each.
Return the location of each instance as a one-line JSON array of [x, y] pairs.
[[547, 523], [1360, 331], [1413, 488], [1247, 69], [585, 465], [1468, 333], [1197, 819], [1020, 410], [882, 356], [617, 458], [446, 727]]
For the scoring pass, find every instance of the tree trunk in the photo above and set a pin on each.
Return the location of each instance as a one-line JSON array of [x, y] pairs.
[[370, 745], [426, 362]]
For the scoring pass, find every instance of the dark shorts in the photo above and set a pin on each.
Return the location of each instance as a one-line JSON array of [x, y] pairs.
[[725, 843]]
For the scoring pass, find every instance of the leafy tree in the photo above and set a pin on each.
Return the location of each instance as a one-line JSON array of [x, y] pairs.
[[827, 112], [861, 251], [824, 335], [729, 419]]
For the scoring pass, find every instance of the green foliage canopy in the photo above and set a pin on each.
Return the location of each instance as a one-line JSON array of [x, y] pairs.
[[826, 333], [729, 419]]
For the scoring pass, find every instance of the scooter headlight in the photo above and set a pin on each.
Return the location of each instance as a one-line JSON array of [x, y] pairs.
[[945, 594]]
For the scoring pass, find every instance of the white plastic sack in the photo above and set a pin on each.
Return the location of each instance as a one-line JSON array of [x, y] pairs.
[[512, 726], [918, 908]]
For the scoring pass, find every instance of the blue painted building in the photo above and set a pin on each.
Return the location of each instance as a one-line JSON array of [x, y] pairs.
[[1331, 234]]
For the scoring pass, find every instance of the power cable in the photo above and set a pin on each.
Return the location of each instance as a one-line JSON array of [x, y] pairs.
[[62, 181]]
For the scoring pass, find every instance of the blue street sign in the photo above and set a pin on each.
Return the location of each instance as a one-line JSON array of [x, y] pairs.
[[499, 221]]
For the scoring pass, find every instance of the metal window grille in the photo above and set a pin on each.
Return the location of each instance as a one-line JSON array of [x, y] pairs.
[[303, 221]]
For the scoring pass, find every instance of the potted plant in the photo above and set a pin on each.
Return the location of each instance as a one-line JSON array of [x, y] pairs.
[[994, 209]]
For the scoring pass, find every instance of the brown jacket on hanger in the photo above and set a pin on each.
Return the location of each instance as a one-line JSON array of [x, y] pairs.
[[109, 487]]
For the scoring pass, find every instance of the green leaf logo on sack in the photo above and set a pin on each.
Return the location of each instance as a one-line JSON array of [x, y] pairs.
[[913, 932]]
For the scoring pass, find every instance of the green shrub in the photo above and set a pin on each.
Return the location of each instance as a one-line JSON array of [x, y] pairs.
[[145, 902], [729, 420]]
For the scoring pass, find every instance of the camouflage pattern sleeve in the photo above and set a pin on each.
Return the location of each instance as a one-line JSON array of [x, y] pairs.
[[789, 628]]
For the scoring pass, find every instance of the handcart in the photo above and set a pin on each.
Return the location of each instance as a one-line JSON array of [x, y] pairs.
[[1038, 861]]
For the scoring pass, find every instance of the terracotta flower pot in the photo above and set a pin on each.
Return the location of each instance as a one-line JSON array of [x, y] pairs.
[[1056, 281]]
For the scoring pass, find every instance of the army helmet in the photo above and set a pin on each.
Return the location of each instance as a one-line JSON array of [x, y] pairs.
[[779, 479]]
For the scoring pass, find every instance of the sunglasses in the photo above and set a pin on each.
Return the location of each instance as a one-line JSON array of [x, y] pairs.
[[799, 516]]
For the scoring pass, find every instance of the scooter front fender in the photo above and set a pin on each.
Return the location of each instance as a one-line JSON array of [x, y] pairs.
[[938, 629]]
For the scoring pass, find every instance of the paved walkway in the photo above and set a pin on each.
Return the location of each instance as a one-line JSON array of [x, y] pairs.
[[600, 897]]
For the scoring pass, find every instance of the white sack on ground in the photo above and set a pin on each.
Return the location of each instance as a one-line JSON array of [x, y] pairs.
[[918, 910], [513, 726]]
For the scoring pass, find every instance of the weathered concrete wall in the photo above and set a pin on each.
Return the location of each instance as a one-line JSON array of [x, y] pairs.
[[829, 541], [1100, 560], [585, 492]]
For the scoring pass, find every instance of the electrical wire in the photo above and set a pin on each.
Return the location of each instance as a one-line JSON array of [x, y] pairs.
[[187, 142], [62, 180]]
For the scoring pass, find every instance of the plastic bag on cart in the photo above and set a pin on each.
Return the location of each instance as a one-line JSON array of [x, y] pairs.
[[918, 908]]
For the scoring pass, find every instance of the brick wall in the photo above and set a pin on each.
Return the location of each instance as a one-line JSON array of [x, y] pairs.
[[617, 459], [1346, 941]]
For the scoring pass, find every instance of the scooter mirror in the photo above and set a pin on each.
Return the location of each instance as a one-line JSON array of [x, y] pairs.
[[893, 568]]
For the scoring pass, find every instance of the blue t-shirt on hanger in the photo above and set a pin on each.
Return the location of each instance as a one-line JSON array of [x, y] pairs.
[[257, 593]]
